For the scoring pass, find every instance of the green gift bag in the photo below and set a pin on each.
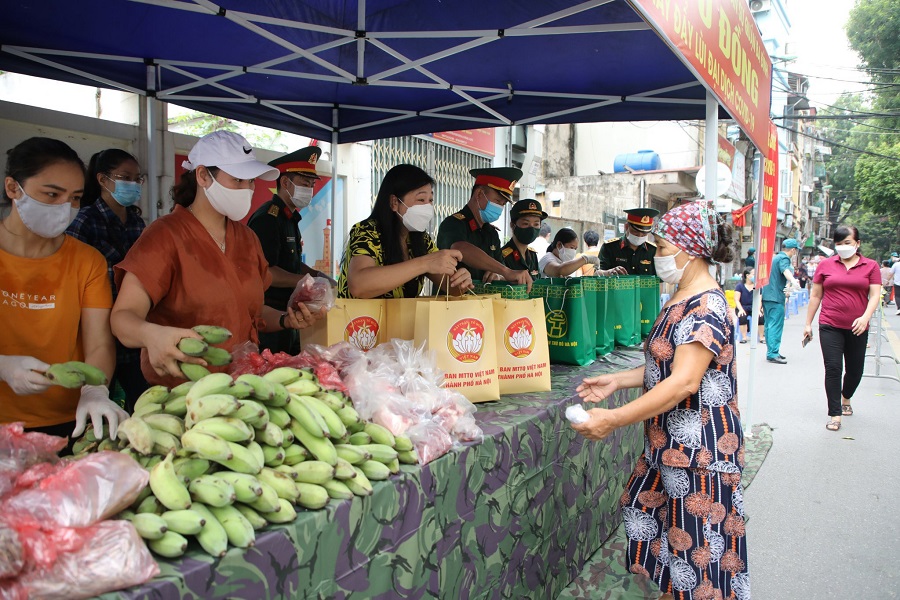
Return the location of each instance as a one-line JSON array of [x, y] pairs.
[[636, 333], [621, 310], [648, 290], [507, 291], [571, 341], [595, 291]]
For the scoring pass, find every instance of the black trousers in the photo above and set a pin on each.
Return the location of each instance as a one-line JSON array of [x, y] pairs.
[[844, 354], [131, 378]]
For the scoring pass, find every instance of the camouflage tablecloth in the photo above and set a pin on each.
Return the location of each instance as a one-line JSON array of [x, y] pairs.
[[516, 516]]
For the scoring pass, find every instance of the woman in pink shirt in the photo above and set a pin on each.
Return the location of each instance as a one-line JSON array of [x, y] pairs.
[[847, 286]]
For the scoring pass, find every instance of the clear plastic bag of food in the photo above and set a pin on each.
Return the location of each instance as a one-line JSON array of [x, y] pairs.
[[430, 440], [20, 450], [315, 292]]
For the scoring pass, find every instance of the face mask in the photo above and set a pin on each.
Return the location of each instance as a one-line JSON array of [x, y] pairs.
[[845, 251], [667, 269], [417, 217], [567, 254], [491, 212], [301, 197], [234, 204], [126, 193], [637, 240], [45, 220], [526, 235]]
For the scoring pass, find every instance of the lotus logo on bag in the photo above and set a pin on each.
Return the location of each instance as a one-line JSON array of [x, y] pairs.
[[557, 324], [519, 339], [362, 332], [465, 340]]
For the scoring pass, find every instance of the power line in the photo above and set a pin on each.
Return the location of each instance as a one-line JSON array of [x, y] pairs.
[[839, 145], [875, 126]]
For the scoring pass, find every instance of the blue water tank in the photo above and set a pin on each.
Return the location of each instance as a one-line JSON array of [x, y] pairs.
[[642, 160]]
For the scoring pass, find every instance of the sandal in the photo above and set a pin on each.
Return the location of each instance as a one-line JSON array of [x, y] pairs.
[[833, 425], [846, 410]]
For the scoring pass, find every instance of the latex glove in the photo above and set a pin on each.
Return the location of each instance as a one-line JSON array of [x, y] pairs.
[[591, 260], [95, 403], [19, 373]]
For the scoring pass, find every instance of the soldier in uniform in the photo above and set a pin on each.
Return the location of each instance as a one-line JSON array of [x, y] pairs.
[[633, 252], [525, 217], [276, 225], [471, 231]]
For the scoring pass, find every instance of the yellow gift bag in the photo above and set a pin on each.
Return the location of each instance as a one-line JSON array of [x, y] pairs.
[[400, 318], [523, 355], [359, 322]]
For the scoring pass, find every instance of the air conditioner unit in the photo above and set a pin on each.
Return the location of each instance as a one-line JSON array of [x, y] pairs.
[[789, 207], [760, 5]]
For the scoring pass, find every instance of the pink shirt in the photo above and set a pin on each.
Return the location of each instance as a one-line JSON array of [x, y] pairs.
[[846, 292]]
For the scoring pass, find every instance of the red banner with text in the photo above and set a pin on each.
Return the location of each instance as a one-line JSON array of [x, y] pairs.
[[719, 41], [769, 209]]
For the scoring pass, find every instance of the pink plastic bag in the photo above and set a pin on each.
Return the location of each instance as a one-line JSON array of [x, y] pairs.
[[20, 450], [431, 441], [315, 292]]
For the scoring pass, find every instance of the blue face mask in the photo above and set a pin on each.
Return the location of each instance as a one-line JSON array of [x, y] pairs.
[[491, 212], [126, 193]]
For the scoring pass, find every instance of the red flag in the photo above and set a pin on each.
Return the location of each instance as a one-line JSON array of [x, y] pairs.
[[739, 216]]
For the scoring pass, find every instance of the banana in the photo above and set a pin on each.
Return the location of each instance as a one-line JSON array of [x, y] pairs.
[[206, 446], [126, 514], [356, 427], [344, 470], [168, 487], [145, 493], [62, 375], [84, 446], [314, 471], [239, 530], [157, 394], [147, 409], [380, 452], [284, 514], [152, 461], [217, 357], [288, 436], [352, 454], [92, 375], [227, 428], [243, 460], [321, 448], [281, 396], [303, 387], [149, 526], [214, 383], [337, 489], [246, 487], [90, 435], [283, 485], [212, 334], [185, 522], [191, 468], [170, 545], [402, 443], [348, 415], [164, 442], [312, 496], [108, 444], [307, 416], [240, 390], [286, 470], [127, 451], [137, 433], [150, 504], [393, 466], [359, 485], [262, 390], [193, 346], [193, 372], [278, 416], [176, 406], [336, 427], [168, 423], [380, 435], [375, 471], [257, 451], [282, 375], [274, 455], [332, 400], [211, 490], [270, 434], [180, 390], [360, 438], [252, 516], [213, 538], [267, 502], [408, 457], [295, 454], [213, 405], [252, 413]]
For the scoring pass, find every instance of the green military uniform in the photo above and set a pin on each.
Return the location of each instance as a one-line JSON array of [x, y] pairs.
[[617, 253], [514, 259], [463, 227], [512, 256]]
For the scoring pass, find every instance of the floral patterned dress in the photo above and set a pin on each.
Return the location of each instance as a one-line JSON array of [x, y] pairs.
[[683, 507]]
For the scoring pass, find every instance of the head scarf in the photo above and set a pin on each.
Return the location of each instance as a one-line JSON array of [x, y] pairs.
[[692, 226]]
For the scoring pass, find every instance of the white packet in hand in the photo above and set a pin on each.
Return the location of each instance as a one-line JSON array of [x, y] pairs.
[[577, 415]]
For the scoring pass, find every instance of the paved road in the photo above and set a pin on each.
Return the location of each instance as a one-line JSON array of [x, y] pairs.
[[824, 510]]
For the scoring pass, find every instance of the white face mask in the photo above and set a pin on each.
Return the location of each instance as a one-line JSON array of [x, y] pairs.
[[636, 240], [667, 269], [417, 217], [845, 251], [302, 196], [567, 254], [46, 220], [234, 204]]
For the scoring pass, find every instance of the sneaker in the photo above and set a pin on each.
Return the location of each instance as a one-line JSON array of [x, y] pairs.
[[778, 360]]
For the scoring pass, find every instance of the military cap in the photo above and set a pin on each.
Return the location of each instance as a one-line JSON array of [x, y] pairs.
[[502, 179], [303, 162], [526, 208], [641, 218], [790, 243], [751, 250]]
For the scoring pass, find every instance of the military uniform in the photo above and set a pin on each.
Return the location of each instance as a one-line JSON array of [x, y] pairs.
[[512, 255], [514, 259], [617, 253], [463, 227]]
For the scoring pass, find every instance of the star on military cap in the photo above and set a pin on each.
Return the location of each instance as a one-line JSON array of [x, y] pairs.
[[527, 208], [502, 179], [641, 218], [303, 162]]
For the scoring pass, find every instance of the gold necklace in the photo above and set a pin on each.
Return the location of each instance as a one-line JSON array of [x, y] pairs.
[[214, 238]]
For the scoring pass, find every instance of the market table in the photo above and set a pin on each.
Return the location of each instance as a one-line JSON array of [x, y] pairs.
[[515, 516]]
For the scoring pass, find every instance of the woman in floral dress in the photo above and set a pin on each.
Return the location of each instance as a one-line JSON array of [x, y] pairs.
[[683, 506]]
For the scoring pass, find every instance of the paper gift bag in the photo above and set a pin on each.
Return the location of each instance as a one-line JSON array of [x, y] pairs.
[[461, 334], [621, 310], [648, 289], [523, 356], [400, 318], [570, 340], [359, 322]]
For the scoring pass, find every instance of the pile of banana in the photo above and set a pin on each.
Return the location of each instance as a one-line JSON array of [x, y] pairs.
[[229, 456], [205, 349]]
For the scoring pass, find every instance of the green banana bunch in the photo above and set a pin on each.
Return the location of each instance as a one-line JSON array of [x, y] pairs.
[[267, 501], [283, 485], [170, 545], [193, 346], [344, 470], [380, 452], [206, 446], [375, 471], [354, 455], [226, 428], [193, 372], [338, 489], [213, 538], [243, 459], [168, 487], [240, 390], [359, 485], [284, 514], [150, 504], [212, 405], [246, 487], [334, 401], [295, 454], [303, 387], [349, 417], [239, 530], [137, 433], [157, 394], [252, 516], [314, 471], [212, 384], [176, 406], [181, 389], [283, 375], [274, 455], [74, 374], [164, 443], [211, 490], [217, 357], [408, 457], [360, 438], [212, 334], [286, 470], [149, 526], [190, 467], [393, 466], [168, 423], [380, 435], [263, 390], [252, 413], [402, 443], [185, 522], [312, 496], [278, 416], [307, 416], [147, 409], [320, 448], [336, 428]]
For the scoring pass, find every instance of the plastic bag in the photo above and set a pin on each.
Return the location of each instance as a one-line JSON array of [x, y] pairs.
[[12, 554], [261, 363], [315, 292], [431, 441], [20, 450]]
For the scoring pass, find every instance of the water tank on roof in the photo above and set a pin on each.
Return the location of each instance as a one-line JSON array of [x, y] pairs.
[[642, 160]]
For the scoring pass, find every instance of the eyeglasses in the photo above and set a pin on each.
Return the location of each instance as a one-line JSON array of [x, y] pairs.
[[139, 179]]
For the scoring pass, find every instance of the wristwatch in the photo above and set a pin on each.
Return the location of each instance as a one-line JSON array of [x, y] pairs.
[[281, 320]]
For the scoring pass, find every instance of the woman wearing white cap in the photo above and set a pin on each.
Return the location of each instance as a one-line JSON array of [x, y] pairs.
[[199, 265]]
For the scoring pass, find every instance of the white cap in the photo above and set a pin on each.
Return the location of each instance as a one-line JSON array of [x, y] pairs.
[[230, 152]]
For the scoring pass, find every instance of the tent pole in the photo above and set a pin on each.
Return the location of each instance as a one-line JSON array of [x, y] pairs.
[[153, 166], [334, 186], [711, 147], [752, 328]]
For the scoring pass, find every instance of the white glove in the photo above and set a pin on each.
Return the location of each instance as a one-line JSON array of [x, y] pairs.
[[96, 403], [591, 260], [19, 373]]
